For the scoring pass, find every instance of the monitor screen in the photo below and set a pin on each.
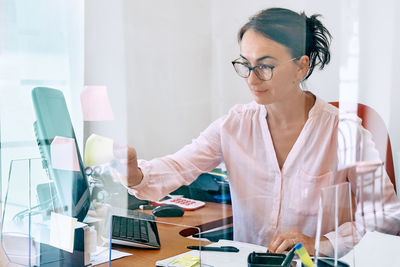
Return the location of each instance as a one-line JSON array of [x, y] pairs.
[[53, 120]]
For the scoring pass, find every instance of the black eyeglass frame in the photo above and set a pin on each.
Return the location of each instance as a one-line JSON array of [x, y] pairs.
[[255, 67]]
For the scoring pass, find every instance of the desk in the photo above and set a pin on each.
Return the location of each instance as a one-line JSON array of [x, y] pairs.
[[173, 238]]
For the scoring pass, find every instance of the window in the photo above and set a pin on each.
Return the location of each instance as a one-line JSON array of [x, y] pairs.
[[41, 45]]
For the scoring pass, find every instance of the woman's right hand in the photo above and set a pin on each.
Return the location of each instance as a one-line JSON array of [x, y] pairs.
[[127, 165]]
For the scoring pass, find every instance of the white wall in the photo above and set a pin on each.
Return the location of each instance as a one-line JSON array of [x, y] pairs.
[[168, 65], [154, 56], [105, 58], [394, 125], [174, 74]]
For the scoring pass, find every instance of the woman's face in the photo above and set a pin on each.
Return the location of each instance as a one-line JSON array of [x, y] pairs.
[[255, 49]]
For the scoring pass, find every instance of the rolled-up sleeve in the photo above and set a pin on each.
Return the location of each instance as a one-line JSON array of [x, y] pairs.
[[163, 175]]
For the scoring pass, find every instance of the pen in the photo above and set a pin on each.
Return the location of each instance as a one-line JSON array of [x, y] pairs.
[[289, 258], [222, 248], [146, 207]]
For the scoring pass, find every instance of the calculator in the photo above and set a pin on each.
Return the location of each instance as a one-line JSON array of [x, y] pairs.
[[184, 203]]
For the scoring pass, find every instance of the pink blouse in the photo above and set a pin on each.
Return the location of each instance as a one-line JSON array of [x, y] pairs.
[[266, 200]]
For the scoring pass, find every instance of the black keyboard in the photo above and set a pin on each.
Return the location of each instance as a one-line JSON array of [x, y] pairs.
[[140, 230]]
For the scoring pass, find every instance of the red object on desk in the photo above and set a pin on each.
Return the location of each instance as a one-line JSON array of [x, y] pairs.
[[184, 203]]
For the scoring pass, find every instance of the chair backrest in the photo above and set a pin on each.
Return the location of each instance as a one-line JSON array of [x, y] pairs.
[[375, 124]]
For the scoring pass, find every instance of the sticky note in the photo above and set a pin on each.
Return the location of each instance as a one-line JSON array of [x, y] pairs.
[[63, 154], [98, 150], [187, 261], [62, 231], [96, 104]]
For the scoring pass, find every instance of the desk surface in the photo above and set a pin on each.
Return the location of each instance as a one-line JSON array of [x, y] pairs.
[[172, 237]]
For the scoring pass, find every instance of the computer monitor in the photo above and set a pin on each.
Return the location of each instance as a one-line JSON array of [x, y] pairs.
[[54, 120]]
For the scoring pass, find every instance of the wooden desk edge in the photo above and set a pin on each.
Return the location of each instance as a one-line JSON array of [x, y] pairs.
[[144, 257]]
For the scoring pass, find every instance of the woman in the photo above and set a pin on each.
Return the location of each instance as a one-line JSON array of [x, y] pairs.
[[279, 150]]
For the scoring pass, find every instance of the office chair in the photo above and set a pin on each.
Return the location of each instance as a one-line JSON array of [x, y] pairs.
[[375, 124]]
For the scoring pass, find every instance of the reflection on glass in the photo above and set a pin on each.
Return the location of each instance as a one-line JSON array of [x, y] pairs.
[[370, 196], [335, 222]]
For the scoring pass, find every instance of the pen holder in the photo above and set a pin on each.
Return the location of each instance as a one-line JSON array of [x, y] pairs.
[[266, 260]]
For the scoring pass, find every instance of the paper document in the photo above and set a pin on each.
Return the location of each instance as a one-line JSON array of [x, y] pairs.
[[62, 231], [216, 259], [102, 255], [375, 249]]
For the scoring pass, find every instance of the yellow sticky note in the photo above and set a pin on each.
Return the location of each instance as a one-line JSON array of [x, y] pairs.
[[62, 231], [187, 261], [98, 150]]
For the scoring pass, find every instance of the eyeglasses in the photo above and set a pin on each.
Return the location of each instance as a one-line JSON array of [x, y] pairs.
[[263, 72]]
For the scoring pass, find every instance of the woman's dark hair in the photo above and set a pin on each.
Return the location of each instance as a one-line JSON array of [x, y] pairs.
[[301, 34]]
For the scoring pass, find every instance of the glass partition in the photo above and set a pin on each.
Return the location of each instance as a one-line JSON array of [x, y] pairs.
[[214, 120], [336, 231], [54, 237], [36, 232], [22, 210]]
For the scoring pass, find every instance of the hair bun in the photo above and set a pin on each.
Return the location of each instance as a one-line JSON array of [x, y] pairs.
[[318, 40]]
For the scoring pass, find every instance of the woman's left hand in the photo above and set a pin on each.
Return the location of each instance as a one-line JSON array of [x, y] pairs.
[[287, 240]]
